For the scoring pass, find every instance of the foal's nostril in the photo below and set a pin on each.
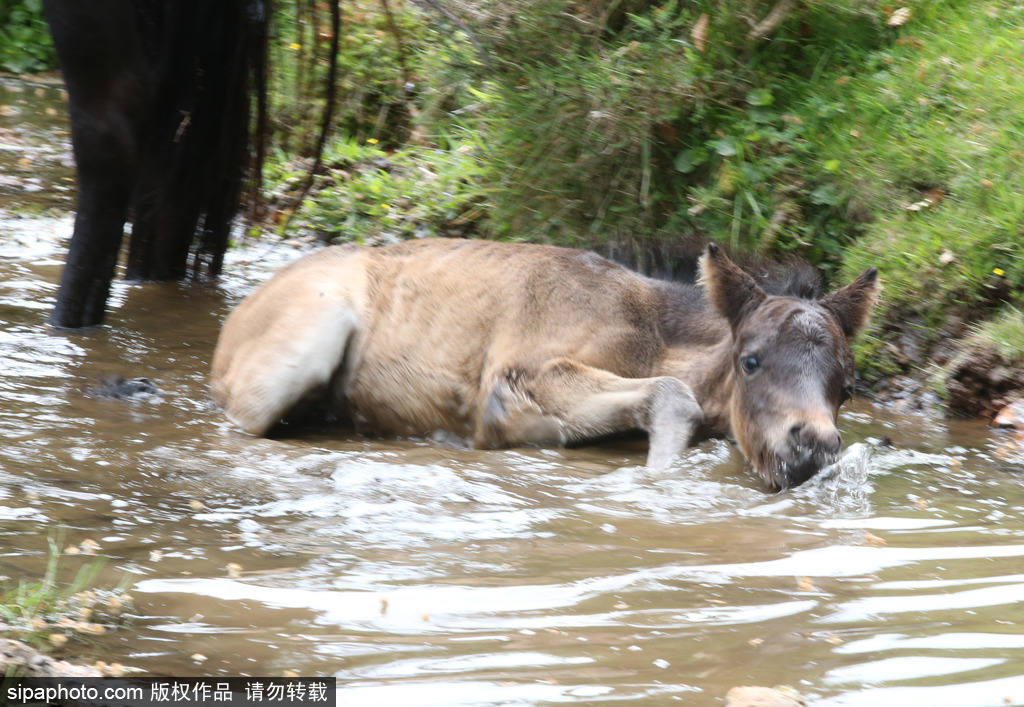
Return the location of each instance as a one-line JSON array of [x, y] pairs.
[[804, 439], [796, 435], [811, 447]]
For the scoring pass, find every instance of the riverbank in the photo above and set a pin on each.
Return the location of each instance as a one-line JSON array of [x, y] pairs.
[[889, 140]]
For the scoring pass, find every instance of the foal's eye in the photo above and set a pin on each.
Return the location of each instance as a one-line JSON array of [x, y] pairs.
[[750, 363], [847, 393]]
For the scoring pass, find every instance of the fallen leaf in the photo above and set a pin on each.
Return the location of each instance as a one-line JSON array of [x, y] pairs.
[[899, 17], [873, 539], [699, 33]]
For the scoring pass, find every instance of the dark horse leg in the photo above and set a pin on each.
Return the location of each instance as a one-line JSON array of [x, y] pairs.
[[159, 102], [193, 162], [109, 95]]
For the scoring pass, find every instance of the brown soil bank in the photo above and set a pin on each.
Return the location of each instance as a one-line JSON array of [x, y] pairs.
[[980, 383]]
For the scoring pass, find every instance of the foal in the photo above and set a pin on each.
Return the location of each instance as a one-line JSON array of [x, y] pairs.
[[509, 344]]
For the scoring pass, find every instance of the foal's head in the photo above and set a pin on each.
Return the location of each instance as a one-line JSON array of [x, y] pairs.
[[792, 367]]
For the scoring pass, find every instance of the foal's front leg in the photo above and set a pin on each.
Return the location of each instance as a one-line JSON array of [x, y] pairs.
[[567, 402]]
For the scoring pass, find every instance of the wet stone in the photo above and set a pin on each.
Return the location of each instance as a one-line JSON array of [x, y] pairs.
[[980, 383], [17, 658], [763, 697], [1011, 416]]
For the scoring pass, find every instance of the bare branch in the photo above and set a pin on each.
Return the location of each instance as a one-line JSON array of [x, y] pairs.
[[325, 121], [771, 21]]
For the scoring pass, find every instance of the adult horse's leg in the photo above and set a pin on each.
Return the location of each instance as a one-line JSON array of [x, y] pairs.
[[568, 402], [105, 74], [195, 157]]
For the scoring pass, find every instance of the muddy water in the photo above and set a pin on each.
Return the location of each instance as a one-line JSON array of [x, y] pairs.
[[425, 574]]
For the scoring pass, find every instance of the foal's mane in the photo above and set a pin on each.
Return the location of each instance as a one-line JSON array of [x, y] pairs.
[[678, 261], [688, 317]]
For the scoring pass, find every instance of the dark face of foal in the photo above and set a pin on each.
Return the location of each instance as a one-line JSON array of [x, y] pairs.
[[792, 368]]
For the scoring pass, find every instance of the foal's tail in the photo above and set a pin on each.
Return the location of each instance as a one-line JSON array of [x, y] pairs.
[[208, 60]]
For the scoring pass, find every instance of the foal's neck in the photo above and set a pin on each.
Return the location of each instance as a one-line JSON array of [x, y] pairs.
[[698, 345]]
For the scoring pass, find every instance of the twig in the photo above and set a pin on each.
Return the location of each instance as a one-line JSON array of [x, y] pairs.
[[258, 69], [771, 21], [325, 124]]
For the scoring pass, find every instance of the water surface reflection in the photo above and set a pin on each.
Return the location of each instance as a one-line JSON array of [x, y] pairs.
[[426, 574]]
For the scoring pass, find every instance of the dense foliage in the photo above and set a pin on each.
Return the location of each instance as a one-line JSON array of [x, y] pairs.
[[25, 43], [851, 132]]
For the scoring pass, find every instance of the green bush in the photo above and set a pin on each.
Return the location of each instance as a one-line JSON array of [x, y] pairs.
[[366, 194], [655, 126], [25, 44], [603, 119]]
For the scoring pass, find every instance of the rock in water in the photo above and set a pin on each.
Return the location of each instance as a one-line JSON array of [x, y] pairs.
[[763, 697]]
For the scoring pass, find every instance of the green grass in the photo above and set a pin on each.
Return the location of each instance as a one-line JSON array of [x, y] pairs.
[[1004, 333], [48, 613], [605, 120], [930, 140], [366, 194]]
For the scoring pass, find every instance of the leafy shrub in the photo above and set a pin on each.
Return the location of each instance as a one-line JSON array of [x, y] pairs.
[[366, 194], [602, 119], [25, 43]]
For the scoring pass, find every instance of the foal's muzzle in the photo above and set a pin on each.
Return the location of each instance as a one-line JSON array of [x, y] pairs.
[[808, 451]]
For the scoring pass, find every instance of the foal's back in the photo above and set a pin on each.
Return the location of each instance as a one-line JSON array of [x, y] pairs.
[[410, 335], [446, 300]]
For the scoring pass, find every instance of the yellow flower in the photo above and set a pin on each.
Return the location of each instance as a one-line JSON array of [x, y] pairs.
[[373, 141], [295, 45], [998, 271]]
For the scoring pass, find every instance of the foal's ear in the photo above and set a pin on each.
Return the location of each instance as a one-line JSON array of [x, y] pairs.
[[733, 293], [852, 304]]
